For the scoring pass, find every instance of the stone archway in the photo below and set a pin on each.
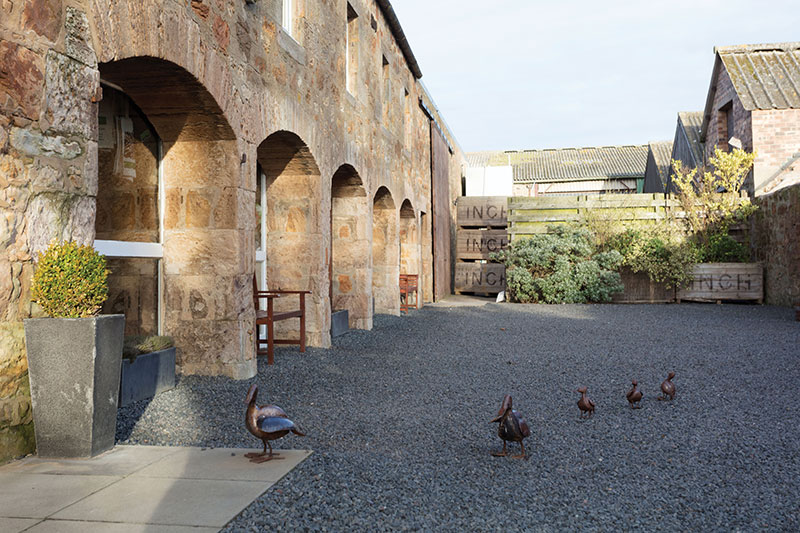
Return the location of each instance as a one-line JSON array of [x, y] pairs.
[[351, 279], [385, 254], [205, 291], [409, 241], [296, 255]]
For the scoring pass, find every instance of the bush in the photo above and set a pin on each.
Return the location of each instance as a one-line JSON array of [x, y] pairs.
[[135, 345], [70, 281], [562, 266], [659, 251]]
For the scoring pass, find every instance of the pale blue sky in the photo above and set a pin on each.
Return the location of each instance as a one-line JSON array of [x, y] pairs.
[[525, 74]]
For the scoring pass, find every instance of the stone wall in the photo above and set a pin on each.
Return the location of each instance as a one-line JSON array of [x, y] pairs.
[[717, 126], [776, 139], [776, 243], [216, 80]]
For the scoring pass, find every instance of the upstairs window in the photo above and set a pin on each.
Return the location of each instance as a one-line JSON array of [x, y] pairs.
[[725, 127], [351, 51], [287, 17]]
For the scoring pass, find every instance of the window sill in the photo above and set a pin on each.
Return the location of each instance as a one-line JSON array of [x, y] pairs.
[[292, 47]]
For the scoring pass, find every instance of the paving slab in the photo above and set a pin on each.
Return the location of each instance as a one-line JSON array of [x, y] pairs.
[[77, 526], [120, 461], [15, 525], [223, 464], [24, 495], [147, 500], [136, 489]]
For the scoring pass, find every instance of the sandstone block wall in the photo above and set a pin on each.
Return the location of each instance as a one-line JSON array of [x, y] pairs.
[[775, 240], [216, 80]]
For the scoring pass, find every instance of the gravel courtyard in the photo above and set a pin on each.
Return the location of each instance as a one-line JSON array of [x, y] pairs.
[[398, 419]]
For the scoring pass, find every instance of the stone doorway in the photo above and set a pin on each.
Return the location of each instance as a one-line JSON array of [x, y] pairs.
[[296, 255], [409, 242], [385, 254], [200, 241], [351, 279]]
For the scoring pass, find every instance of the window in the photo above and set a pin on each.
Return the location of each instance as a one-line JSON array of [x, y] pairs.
[[352, 49], [387, 90], [407, 119], [287, 19], [725, 127]]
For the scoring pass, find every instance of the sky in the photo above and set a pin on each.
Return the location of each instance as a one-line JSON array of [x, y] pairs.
[[532, 74]]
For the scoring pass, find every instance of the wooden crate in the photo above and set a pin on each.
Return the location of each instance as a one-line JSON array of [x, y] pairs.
[[717, 282], [485, 278], [478, 244], [482, 211], [639, 289]]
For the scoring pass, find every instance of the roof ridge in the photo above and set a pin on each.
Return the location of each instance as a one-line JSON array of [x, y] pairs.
[[762, 47]]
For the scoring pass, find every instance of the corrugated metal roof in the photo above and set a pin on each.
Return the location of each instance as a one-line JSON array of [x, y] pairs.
[[691, 122], [567, 164], [765, 76], [662, 155]]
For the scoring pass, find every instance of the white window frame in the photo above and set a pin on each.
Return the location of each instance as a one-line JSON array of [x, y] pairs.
[[148, 250], [287, 18]]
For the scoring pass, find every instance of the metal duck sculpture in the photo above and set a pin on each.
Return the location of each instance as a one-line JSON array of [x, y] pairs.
[[268, 422], [634, 396], [585, 404], [512, 427], [668, 388]]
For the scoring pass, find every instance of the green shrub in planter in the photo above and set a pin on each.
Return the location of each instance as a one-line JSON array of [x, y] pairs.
[[70, 281], [562, 266], [136, 345]]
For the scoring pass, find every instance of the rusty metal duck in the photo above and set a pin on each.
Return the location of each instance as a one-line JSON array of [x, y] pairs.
[[634, 396], [585, 404], [668, 388], [512, 427], [268, 422]]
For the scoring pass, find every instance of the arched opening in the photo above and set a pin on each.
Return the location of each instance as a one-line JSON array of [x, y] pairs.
[[351, 280], [168, 185], [295, 254], [385, 254], [409, 241]]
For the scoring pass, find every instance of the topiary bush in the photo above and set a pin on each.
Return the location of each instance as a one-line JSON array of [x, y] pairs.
[[561, 266], [70, 280]]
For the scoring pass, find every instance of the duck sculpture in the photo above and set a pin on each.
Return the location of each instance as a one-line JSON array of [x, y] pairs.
[[634, 396], [668, 388], [267, 422], [585, 404], [512, 427]]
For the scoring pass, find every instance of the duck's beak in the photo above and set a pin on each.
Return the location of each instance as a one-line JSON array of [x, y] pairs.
[[251, 394], [498, 419]]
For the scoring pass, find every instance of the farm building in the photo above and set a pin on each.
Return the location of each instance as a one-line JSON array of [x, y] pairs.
[[564, 171], [753, 102], [199, 144], [657, 170]]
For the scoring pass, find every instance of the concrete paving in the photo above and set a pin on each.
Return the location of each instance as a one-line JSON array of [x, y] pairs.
[[158, 489]]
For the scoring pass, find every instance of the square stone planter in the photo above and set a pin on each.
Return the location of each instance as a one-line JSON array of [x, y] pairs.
[[148, 375], [74, 367]]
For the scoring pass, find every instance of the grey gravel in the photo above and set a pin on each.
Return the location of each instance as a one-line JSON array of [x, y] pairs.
[[398, 419]]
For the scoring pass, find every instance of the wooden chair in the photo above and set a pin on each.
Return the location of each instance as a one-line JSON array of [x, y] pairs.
[[269, 316], [408, 286]]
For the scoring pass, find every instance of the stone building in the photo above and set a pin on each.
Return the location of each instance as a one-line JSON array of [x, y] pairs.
[[753, 102], [199, 142], [564, 171]]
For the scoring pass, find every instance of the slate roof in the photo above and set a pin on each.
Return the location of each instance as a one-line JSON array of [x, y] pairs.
[[765, 76], [662, 156], [567, 164], [691, 122]]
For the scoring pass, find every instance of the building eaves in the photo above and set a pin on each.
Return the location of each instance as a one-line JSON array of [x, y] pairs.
[[690, 124], [400, 36]]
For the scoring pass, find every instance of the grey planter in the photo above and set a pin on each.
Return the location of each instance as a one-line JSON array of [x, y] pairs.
[[148, 375], [74, 367]]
